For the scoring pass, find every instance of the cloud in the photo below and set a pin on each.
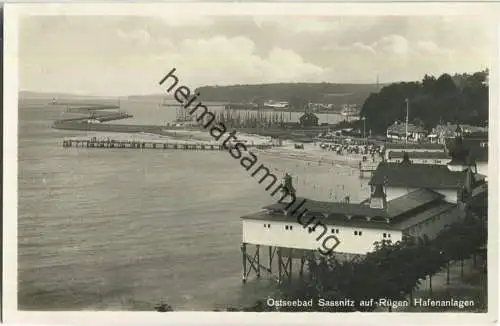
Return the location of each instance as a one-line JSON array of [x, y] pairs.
[[221, 61], [129, 55], [393, 45], [356, 47], [431, 48]]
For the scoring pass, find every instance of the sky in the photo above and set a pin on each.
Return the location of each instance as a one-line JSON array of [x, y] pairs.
[[129, 55]]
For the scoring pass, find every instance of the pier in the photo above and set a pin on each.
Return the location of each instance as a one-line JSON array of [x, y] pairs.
[[129, 144]]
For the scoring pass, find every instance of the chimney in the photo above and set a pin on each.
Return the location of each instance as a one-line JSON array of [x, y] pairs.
[[470, 180], [406, 158]]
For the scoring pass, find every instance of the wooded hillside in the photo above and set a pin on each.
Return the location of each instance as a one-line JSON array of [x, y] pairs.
[[462, 98], [296, 94]]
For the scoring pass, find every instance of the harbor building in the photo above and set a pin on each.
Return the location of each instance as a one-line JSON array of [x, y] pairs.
[[400, 131], [406, 199], [439, 158], [476, 143], [402, 178], [413, 148], [444, 133]]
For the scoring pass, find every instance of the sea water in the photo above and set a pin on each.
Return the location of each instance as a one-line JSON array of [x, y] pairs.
[[122, 229]]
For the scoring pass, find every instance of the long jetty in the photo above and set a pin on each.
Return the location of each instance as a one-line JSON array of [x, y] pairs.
[[133, 144]]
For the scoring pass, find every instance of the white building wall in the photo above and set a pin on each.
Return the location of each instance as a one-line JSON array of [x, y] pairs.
[[299, 237], [440, 161], [411, 150], [395, 192], [482, 168]]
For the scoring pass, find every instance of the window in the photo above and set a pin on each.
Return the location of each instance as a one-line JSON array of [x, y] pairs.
[[290, 228], [355, 232], [384, 235], [388, 235], [360, 233], [286, 227], [335, 230], [267, 225], [310, 229]]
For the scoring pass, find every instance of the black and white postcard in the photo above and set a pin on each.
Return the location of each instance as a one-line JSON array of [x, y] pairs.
[[183, 161]]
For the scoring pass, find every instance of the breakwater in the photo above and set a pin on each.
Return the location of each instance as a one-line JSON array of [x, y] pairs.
[[100, 117], [93, 108], [93, 127], [111, 143], [94, 114]]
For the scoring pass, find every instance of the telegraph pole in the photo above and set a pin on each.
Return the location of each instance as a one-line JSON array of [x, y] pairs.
[[406, 127]]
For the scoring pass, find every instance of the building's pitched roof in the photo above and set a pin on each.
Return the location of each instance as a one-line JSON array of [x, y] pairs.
[[424, 215], [337, 213], [477, 147], [411, 201], [431, 202], [418, 155], [400, 128], [415, 146], [323, 207], [328, 220], [417, 176], [449, 129]]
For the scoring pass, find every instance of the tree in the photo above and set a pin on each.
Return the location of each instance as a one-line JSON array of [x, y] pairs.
[[392, 270], [462, 98]]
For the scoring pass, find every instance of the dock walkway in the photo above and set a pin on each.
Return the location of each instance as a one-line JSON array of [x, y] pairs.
[[110, 143]]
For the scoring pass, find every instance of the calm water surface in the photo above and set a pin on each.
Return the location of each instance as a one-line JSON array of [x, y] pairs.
[[122, 229]]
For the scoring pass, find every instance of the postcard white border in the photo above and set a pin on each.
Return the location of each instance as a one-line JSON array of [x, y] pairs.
[[10, 123]]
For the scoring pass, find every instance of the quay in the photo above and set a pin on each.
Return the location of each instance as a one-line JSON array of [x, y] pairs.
[[110, 143], [91, 108]]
